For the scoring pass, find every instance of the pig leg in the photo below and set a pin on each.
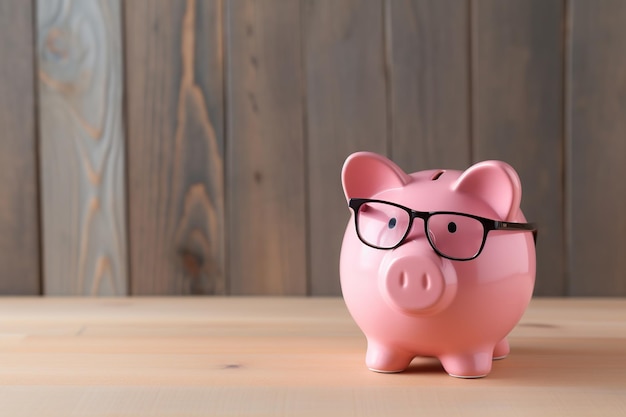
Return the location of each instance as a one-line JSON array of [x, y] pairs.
[[382, 358], [468, 365], [501, 350]]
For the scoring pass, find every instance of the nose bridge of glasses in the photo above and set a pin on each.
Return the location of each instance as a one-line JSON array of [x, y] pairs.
[[418, 228], [416, 243]]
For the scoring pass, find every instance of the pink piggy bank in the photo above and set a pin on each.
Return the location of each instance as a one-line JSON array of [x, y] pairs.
[[437, 263]]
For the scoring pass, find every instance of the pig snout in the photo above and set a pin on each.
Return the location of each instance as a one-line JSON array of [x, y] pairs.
[[416, 281]]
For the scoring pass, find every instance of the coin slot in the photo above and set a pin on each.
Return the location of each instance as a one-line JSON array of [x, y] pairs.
[[437, 175]]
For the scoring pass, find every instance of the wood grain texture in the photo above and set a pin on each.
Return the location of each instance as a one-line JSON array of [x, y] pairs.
[[517, 88], [429, 60], [266, 161], [596, 146], [346, 112], [176, 144], [290, 356], [82, 147], [19, 216]]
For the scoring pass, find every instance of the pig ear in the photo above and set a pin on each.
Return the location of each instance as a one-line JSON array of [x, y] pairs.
[[365, 173], [494, 182]]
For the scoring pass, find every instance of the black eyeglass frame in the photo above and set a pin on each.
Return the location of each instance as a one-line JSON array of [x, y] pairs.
[[488, 225]]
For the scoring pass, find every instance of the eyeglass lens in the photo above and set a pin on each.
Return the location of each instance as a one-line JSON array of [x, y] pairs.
[[382, 225], [455, 235]]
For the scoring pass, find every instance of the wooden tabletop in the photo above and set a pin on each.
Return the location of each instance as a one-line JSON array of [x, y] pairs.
[[289, 357]]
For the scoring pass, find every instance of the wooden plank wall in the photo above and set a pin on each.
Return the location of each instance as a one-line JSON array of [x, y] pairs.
[[194, 147], [265, 143], [596, 147], [175, 131], [517, 93], [345, 111], [19, 215], [81, 147]]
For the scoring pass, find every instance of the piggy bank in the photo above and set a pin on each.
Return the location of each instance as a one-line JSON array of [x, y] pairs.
[[438, 263]]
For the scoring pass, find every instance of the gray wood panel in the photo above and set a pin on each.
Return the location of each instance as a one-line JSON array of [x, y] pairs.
[[82, 147], [266, 160], [240, 113], [596, 143], [174, 60], [19, 217], [429, 61], [517, 97], [346, 112]]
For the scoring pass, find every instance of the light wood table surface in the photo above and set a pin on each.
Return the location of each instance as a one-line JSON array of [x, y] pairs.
[[289, 357]]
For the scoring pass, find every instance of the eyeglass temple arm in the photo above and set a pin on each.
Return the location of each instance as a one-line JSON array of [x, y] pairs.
[[532, 227]]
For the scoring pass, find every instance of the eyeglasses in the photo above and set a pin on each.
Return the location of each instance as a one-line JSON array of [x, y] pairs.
[[455, 236]]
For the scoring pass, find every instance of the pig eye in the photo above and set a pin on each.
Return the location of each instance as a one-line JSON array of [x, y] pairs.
[[452, 227], [392, 223]]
